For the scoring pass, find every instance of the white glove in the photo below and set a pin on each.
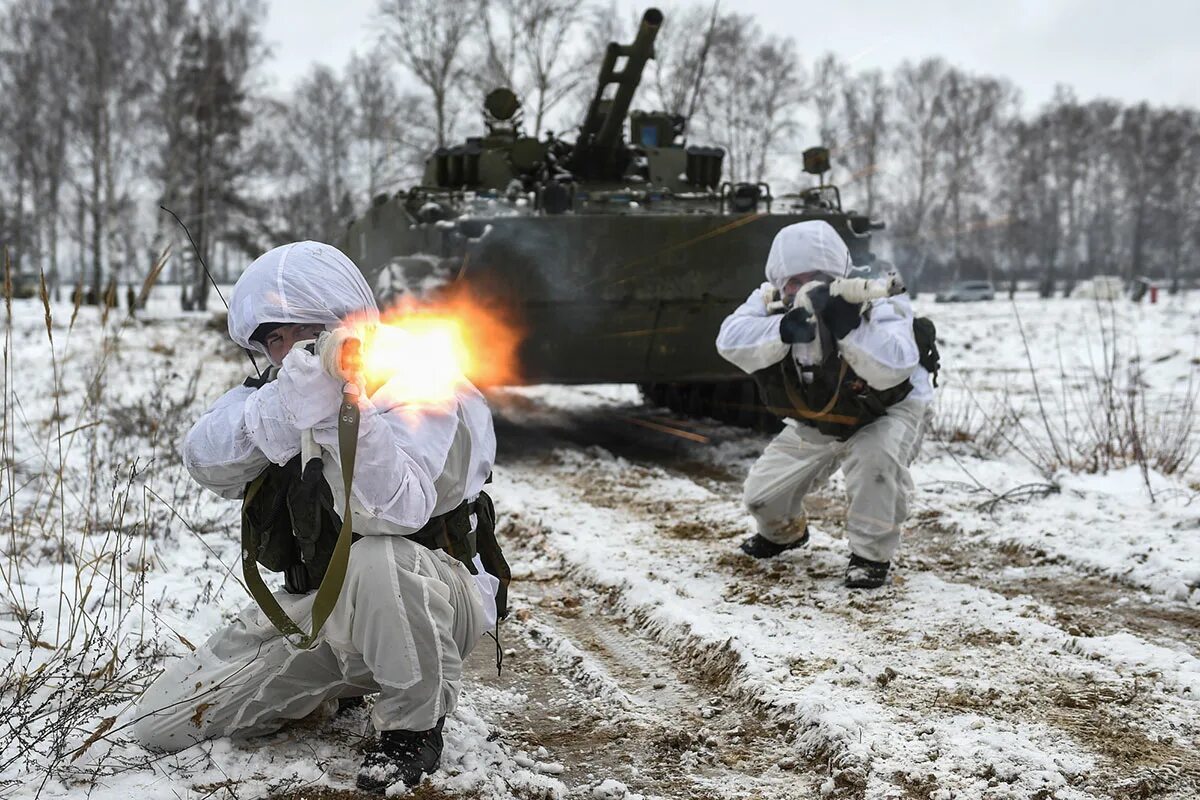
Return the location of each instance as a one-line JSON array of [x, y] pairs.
[[335, 360], [774, 301], [308, 395]]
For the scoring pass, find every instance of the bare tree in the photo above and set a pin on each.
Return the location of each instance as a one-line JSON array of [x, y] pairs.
[[549, 26], [317, 131], [1101, 195], [682, 46], [103, 65], [496, 60], [865, 103], [757, 87], [1136, 152], [826, 97], [919, 135], [24, 86], [428, 38], [1073, 189], [1184, 178], [525, 46], [1034, 207], [974, 110], [390, 131]]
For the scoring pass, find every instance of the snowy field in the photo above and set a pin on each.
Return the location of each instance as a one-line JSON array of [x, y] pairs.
[[1038, 640]]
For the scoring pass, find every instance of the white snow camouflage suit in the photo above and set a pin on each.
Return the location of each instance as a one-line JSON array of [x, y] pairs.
[[875, 459], [407, 615]]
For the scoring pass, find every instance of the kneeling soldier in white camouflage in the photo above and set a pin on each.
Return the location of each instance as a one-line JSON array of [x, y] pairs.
[[838, 359], [414, 597]]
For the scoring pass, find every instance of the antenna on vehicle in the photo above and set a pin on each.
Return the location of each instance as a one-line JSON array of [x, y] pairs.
[[204, 266]]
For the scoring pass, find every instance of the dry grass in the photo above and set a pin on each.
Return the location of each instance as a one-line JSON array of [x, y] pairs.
[[423, 792], [77, 499], [962, 419], [1102, 421]]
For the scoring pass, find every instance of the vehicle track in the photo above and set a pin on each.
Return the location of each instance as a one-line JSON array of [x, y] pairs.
[[595, 689]]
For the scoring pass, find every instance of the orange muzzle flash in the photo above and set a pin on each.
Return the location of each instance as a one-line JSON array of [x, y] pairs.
[[424, 352]]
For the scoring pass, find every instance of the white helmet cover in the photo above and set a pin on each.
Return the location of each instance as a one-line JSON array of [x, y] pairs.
[[305, 282], [810, 246]]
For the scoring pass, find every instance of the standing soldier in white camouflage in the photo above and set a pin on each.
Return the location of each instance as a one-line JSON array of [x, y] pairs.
[[843, 367]]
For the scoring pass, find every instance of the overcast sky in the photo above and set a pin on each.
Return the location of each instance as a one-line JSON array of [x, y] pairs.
[[1132, 51]]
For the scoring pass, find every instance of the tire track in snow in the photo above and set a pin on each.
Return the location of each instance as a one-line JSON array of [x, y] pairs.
[[1072, 694], [1087, 603], [592, 694]]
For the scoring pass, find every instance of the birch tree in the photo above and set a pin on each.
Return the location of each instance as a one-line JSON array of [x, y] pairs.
[[865, 102], [390, 128], [757, 88], [429, 39], [919, 127]]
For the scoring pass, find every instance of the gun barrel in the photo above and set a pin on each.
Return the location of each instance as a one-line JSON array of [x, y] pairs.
[[606, 126], [864, 290]]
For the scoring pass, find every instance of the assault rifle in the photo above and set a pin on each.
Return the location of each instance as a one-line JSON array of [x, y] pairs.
[[852, 290]]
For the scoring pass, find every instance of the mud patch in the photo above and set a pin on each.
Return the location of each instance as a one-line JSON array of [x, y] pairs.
[[697, 530], [423, 792], [587, 689], [1007, 679]]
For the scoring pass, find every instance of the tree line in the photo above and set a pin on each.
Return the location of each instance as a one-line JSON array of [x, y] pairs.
[[113, 107]]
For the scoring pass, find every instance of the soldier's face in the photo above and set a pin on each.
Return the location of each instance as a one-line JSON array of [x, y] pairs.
[[280, 340]]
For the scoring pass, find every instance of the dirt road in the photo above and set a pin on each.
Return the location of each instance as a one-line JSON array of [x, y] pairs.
[[646, 657], [646, 650]]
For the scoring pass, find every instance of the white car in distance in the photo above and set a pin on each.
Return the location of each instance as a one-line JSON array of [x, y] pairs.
[[967, 291], [1101, 287]]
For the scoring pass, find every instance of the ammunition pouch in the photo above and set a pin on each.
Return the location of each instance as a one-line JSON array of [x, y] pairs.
[[453, 533], [291, 520], [925, 332], [837, 402], [294, 524]]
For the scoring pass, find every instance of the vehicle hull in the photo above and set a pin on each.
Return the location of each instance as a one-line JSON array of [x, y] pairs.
[[598, 298]]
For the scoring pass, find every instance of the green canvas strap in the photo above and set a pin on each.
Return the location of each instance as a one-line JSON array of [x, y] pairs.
[[800, 407], [335, 576]]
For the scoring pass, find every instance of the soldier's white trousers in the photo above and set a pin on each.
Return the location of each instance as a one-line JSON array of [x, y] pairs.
[[406, 618], [874, 462]]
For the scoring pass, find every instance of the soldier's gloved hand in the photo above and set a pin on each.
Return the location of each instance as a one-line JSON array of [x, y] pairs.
[[798, 325], [840, 316], [340, 352], [308, 394]]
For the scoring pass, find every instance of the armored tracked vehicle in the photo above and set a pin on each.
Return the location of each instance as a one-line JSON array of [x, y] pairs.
[[619, 258]]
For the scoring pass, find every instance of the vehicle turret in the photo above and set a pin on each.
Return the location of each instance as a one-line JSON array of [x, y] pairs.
[[600, 152]]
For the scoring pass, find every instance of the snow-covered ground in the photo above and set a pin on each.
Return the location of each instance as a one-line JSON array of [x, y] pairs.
[[1038, 640]]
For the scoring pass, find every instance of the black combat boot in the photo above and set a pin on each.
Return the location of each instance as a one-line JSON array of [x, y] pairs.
[[401, 756], [760, 546], [864, 574]]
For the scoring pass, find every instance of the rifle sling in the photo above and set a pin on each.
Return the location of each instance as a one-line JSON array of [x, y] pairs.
[[802, 409], [335, 575]]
